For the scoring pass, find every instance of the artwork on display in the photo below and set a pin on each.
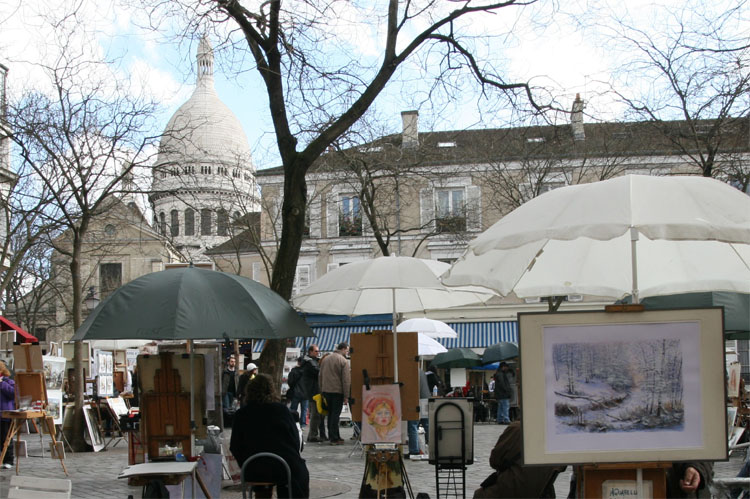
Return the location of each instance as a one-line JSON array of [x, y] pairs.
[[131, 356], [105, 385], [104, 372], [93, 435], [54, 372], [731, 417], [622, 387], [381, 414], [55, 405], [733, 380]]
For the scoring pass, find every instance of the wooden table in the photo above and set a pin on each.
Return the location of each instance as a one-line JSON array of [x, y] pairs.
[[171, 472], [17, 420]]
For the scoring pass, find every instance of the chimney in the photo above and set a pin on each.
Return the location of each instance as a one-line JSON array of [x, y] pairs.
[[410, 134], [576, 118]]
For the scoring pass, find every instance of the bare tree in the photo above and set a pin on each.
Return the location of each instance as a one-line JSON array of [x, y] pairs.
[[316, 91], [80, 140], [694, 68]]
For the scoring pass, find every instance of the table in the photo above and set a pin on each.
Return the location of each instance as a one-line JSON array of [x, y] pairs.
[[17, 419], [171, 472]]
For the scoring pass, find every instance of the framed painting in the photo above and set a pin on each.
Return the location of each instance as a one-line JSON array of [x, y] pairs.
[[54, 372], [733, 380], [381, 414], [93, 434], [55, 405], [599, 387]]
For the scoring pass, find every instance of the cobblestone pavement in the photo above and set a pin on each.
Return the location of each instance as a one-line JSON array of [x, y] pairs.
[[333, 472]]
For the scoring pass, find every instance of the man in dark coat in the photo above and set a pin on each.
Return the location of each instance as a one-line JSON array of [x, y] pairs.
[[503, 392], [295, 394], [511, 478]]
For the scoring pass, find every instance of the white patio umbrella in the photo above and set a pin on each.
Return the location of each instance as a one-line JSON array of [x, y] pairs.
[[428, 327], [428, 346], [636, 235], [386, 284]]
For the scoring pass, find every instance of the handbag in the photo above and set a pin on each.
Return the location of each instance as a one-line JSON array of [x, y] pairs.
[[320, 404]]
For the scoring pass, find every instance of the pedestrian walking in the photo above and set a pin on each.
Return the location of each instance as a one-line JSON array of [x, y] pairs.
[[335, 384]]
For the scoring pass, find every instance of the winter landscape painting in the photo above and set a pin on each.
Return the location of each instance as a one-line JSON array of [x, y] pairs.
[[611, 387], [618, 386]]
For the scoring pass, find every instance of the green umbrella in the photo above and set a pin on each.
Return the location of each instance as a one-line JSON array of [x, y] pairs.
[[457, 357], [736, 308], [499, 351], [190, 303]]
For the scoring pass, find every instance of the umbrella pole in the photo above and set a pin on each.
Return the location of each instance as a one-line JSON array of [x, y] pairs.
[[634, 262], [395, 341], [192, 399]]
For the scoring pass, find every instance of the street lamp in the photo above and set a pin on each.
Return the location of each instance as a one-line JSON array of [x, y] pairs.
[[91, 300]]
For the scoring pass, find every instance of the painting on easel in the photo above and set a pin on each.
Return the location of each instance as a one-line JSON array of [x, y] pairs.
[[54, 372], [381, 414]]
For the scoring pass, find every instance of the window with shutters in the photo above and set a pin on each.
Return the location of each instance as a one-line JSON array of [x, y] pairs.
[[350, 216], [450, 210], [301, 278]]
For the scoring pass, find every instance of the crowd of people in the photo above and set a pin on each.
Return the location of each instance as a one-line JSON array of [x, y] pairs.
[[322, 386]]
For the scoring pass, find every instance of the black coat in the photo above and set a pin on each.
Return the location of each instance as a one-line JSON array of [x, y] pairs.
[[308, 384], [503, 389], [270, 428]]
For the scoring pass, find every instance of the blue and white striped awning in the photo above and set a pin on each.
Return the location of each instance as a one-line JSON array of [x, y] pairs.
[[481, 334], [470, 334]]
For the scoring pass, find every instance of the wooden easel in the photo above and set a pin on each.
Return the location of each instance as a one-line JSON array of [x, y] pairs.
[[594, 476], [30, 383]]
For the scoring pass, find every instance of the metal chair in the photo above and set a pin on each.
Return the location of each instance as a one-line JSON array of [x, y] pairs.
[[264, 484]]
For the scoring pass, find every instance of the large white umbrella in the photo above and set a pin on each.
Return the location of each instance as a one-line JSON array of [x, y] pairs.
[[395, 284], [428, 346], [636, 235], [428, 327]]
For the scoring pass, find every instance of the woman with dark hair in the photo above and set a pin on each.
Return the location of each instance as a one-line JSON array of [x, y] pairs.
[[264, 424], [7, 403]]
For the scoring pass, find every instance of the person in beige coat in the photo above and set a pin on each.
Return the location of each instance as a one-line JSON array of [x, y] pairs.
[[335, 384]]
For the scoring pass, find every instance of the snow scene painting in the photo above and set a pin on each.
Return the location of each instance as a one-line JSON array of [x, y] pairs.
[[622, 386], [618, 386]]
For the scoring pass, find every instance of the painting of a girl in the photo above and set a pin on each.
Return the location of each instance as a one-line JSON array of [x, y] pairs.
[[381, 414]]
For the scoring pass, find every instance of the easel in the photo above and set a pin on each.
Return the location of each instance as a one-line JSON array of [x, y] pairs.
[[385, 461], [29, 381], [653, 474]]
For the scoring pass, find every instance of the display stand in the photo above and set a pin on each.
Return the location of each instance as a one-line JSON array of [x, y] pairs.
[[20, 418], [385, 473], [642, 479], [451, 447]]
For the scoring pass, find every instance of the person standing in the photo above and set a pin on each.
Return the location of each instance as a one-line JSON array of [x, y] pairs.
[[250, 371], [503, 392], [7, 403], [229, 384], [335, 384], [297, 397], [310, 387]]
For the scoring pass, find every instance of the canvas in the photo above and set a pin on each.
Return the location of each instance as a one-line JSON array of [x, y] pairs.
[[601, 387], [381, 414], [54, 372], [55, 405]]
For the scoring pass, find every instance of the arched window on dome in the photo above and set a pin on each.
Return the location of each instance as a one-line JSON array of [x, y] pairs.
[[189, 222], [174, 223], [222, 223], [206, 222], [163, 223], [236, 173]]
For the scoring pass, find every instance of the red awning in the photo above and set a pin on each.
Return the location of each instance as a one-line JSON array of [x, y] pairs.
[[22, 336]]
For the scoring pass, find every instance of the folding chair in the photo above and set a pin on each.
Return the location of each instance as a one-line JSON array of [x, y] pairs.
[[268, 484]]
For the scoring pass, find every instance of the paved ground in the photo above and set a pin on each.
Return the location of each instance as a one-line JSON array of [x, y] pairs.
[[332, 471]]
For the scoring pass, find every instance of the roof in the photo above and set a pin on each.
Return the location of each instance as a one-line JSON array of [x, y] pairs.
[[474, 146]]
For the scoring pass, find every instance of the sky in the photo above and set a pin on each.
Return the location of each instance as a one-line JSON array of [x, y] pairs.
[[548, 50]]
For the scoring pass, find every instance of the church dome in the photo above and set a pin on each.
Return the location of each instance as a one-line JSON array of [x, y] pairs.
[[203, 129]]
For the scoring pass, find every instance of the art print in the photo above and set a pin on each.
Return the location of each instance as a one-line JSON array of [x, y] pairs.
[[733, 380], [54, 372], [620, 387], [381, 414], [606, 384], [93, 434], [55, 405]]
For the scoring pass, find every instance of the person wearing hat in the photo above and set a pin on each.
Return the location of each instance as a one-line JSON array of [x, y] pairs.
[[250, 371]]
